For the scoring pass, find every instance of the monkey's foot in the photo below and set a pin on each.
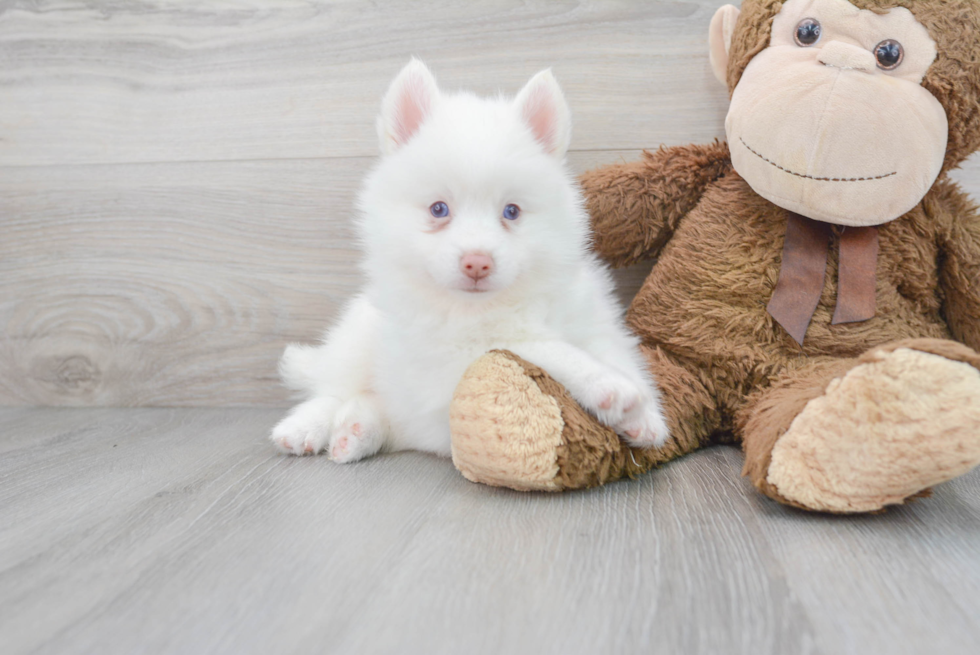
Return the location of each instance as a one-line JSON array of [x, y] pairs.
[[902, 420], [514, 426]]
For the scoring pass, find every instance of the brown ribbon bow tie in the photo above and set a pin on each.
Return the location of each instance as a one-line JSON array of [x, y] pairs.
[[804, 266]]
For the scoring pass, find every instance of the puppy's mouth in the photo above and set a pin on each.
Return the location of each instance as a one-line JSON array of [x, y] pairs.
[[477, 287], [811, 177]]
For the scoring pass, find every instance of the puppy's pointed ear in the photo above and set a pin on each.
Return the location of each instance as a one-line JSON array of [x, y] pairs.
[[720, 40], [542, 106], [406, 105]]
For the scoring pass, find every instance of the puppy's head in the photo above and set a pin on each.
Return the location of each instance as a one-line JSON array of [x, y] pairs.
[[471, 196]]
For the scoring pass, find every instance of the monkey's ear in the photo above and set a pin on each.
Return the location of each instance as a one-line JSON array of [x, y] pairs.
[[720, 40]]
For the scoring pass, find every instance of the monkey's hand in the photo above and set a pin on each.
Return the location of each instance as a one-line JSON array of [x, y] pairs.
[[636, 207]]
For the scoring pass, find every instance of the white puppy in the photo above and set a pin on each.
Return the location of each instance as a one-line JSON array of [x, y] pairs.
[[475, 238]]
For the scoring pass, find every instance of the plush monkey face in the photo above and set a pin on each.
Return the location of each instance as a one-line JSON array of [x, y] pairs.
[[831, 120]]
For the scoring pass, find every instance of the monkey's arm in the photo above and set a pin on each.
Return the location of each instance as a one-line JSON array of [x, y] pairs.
[[635, 207], [959, 272]]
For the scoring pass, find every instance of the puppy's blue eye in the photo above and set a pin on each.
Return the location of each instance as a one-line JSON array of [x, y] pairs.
[[511, 212], [439, 209]]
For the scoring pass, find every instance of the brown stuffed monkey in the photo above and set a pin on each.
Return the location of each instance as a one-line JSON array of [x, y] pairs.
[[816, 295]]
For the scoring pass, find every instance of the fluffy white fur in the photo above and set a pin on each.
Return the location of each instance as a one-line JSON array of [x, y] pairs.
[[384, 375]]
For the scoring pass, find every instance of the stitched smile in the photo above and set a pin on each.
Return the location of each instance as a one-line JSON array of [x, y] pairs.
[[810, 177]]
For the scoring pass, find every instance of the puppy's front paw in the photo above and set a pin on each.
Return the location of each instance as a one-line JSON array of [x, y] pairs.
[[358, 432], [306, 429], [628, 408], [611, 397], [644, 428]]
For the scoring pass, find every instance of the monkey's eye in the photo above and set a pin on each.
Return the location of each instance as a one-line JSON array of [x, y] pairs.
[[889, 54], [439, 209], [807, 32], [511, 212]]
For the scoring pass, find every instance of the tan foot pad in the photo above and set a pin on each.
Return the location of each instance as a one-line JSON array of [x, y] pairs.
[[506, 431], [885, 431]]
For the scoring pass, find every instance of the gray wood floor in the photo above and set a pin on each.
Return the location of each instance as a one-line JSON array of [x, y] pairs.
[[180, 531]]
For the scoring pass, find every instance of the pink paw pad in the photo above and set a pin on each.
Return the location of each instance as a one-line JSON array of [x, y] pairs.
[[607, 402], [340, 448], [356, 429]]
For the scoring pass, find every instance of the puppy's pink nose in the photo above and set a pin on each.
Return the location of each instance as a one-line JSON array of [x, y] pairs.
[[476, 265]]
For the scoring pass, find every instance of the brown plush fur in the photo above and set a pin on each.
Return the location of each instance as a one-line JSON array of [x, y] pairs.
[[702, 314], [667, 184], [954, 78], [702, 309]]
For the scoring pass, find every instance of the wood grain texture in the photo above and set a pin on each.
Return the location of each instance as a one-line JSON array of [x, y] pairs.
[[180, 531], [138, 284], [88, 81]]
